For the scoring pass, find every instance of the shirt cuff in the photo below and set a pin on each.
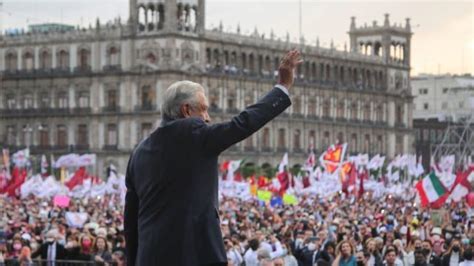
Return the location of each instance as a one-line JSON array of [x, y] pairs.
[[281, 87]]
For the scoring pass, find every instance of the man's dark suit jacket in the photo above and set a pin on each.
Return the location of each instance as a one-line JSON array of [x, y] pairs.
[[42, 252], [171, 206]]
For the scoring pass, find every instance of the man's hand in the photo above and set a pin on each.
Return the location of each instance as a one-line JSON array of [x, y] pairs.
[[286, 70]]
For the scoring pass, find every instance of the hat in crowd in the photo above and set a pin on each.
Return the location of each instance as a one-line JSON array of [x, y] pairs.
[[101, 232], [262, 253], [436, 231], [26, 237], [382, 229]]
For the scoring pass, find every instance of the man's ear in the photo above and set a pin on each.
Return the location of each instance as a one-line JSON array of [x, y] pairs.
[[185, 110]]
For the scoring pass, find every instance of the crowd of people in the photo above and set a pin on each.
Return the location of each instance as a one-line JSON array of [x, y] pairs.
[[333, 230]]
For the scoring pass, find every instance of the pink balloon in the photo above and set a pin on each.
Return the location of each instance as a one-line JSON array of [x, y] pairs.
[[470, 199]]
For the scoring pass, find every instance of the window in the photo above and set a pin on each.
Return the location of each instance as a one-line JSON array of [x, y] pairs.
[[461, 104], [28, 101], [423, 91], [445, 90], [297, 106], [354, 113], [367, 112], [145, 130], [44, 136], [61, 136], [266, 138], [82, 136], [340, 109], [367, 143], [28, 61], [11, 135], [326, 140], [231, 103], [281, 138], [340, 137], [249, 143], [399, 114], [111, 135], [112, 98], [63, 59], [296, 140], [326, 108], [45, 60], [312, 107], [83, 99], [11, 62], [11, 101], [62, 100], [27, 131], [147, 97], [425, 106], [353, 144], [312, 139], [44, 100], [113, 56], [399, 144], [379, 113], [84, 58], [444, 105], [380, 144]]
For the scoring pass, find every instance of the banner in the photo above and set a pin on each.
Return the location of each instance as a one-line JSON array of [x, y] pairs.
[[76, 219]]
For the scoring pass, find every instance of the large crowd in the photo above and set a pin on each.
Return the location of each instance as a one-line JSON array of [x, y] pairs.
[[336, 230]]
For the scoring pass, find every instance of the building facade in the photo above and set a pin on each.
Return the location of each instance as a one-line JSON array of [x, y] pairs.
[[443, 97], [99, 89]]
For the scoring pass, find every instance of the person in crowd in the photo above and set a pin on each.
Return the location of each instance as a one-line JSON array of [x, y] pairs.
[[251, 257], [345, 254], [51, 250], [25, 257], [390, 257], [288, 258], [100, 251], [118, 258], [454, 255], [431, 258], [468, 258], [375, 258]]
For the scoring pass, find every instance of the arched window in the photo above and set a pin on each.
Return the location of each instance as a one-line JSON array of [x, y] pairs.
[[63, 59], [84, 59], [266, 138], [61, 136], [113, 56], [297, 140], [45, 60], [28, 61], [44, 136], [11, 61], [281, 138]]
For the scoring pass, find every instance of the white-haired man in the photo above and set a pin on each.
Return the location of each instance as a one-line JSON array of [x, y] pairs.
[[171, 207]]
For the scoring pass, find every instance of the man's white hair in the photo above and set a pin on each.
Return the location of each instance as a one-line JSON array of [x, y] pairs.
[[179, 93]]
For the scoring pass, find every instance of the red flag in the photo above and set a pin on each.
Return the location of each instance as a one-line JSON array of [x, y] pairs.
[[78, 178], [18, 178]]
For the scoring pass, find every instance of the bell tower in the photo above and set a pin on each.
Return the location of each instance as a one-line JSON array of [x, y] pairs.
[[156, 16]]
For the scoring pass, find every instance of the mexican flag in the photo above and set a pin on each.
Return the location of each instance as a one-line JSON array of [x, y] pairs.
[[431, 190]]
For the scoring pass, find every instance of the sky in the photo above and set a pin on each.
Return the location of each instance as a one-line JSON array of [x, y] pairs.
[[443, 39]]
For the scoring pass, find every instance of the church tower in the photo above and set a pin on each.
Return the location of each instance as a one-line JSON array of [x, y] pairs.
[[156, 16]]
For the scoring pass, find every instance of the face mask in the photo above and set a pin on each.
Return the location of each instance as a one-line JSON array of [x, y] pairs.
[[86, 243], [17, 246], [34, 246], [456, 249], [311, 246], [426, 251]]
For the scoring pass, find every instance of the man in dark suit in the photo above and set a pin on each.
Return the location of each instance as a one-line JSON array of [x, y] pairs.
[[171, 206], [51, 250]]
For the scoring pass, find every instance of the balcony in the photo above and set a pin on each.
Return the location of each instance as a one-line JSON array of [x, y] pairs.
[[298, 150], [80, 147], [297, 115], [61, 71], [267, 149], [145, 108], [249, 148], [341, 119], [400, 124], [109, 147], [215, 109], [326, 118], [82, 110], [282, 149], [112, 68], [232, 110], [111, 109], [83, 70]]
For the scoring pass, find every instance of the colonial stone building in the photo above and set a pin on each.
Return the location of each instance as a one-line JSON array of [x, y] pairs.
[[99, 89]]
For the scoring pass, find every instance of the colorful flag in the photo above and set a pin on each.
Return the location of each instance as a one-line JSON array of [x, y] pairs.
[[289, 199], [461, 186], [332, 158], [431, 190]]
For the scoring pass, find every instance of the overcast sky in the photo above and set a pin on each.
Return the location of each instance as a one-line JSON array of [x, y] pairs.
[[443, 37]]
